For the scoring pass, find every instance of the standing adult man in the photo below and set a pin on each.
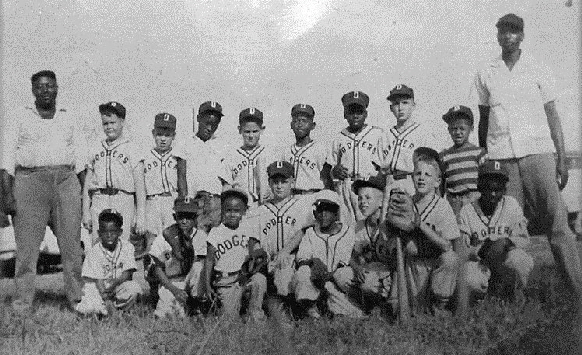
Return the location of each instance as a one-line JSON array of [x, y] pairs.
[[45, 163], [520, 126]]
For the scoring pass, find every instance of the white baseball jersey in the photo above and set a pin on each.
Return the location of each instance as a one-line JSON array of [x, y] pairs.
[[507, 221], [249, 169], [205, 169], [365, 237], [160, 172], [405, 142], [439, 215], [308, 162], [102, 264], [334, 250], [231, 246], [276, 224], [113, 165], [358, 151]]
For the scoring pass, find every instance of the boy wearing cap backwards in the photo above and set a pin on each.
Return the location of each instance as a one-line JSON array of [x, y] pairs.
[[165, 175], [460, 163], [307, 156], [323, 258], [355, 150], [431, 264], [407, 135], [248, 163], [228, 249], [108, 269], [178, 260], [115, 176], [495, 231]]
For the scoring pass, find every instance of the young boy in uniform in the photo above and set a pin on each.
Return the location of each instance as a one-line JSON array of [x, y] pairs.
[[407, 135], [355, 150], [495, 231], [165, 175], [460, 163], [178, 258], [115, 176], [248, 163], [307, 156], [323, 258], [108, 269], [228, 249], [431, 264]]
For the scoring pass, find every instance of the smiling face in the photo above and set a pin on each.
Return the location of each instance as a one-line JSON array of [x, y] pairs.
[[251, 133], [45, 91], [402, 108], [112, 126], [109, 233], [233, 209], [426, 178], [459, 130], [302, 125], [207, 125], [369, 200], [281, 186], [356, 116]]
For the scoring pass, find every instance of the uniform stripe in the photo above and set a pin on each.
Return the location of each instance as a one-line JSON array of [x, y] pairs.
[[251, 158], [297, 153], [429, 208], [399, 140], [356, 139], [279, 213], [336, 242]]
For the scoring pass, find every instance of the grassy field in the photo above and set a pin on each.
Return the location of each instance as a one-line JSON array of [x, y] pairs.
[[539, 324]]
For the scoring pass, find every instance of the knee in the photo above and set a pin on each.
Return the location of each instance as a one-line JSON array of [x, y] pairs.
[[343, 277], [476, 277], [449, 259], [519, 261], [258, 282]]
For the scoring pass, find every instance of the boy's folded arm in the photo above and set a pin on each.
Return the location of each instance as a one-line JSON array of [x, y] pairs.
[[434, 237]]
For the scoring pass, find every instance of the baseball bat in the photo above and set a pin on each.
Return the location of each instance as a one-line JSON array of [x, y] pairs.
[[403, 304], [257, 177]]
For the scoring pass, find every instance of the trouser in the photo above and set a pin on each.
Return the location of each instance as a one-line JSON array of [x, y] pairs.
[[532, 181], [282, 276], [47, 195], [338, 302], [457, 201], [168, 305], [92, 302], [124, 203], [159, 212], [231, 294]]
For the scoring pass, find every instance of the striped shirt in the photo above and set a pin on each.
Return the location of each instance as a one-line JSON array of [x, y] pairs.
[[460, 168]]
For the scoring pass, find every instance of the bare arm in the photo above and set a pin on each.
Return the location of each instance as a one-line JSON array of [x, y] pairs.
[[182, 180], [483, 125], [140, 198], [87, 222], [557, 134], [208, 269]]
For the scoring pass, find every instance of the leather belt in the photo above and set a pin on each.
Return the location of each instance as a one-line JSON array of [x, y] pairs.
[[20, 168], [305, 192], [163, 194], [110, 191]]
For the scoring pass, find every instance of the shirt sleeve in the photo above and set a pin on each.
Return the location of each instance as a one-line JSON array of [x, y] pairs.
[[480, 90], [160, 248], [137, 155], [332, 153], [305, 251], [128, 257], [463, 221], [91, 268], [199, 243], [546, 83], [448, 226]]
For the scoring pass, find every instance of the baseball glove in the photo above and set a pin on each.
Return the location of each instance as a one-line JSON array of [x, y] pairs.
[[401, 213], [319, 273], [256, 263], [141, 242]]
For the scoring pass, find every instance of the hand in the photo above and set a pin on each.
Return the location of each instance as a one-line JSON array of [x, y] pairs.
[[140, 225], [339, 172], [181, 295], [561, 173]]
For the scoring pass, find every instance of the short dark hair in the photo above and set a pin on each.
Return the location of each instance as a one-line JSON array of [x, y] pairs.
[[107, 216], [43, 73]]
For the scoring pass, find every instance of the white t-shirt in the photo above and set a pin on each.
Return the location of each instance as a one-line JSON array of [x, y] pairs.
[[231, 246], [102, 264]]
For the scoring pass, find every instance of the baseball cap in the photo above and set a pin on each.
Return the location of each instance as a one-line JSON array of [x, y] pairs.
[[326, 198], [112, 107], [210, 106], [185, 204], [110, 214], [251, 114], [512, 21], [165, 120], [377, 182], [234, 191], [281, 168], [355, 98], [400, 90], [303, 108], [493, 168], [458, 112]]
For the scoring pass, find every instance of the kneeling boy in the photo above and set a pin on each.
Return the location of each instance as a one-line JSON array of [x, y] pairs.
[[108, 268]]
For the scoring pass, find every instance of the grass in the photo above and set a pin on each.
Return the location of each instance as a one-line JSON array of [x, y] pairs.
[[540, 323]]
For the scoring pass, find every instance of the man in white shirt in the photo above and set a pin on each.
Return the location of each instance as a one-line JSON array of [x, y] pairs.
[[520, 126], [45, 160]]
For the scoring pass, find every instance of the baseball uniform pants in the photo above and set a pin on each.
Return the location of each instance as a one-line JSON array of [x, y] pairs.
[[92, 302], [123, 202], [532, 181], [47, 194], [231, 295], [159, 213], [376, 285]]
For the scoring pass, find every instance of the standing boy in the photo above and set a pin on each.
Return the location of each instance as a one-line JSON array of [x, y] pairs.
[[460, 163], [228, 248], [165, 175], [178, 258], [307, 156], [354, 150], [108, 269], [115, 176], [407, 135]]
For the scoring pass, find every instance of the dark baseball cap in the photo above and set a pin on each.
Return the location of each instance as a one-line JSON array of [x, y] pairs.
[[210, 106], [110, 214], [234, 191], [376, 182], [185, 204], [400, 90], [355, 98], [459, 111], [165, 120], [493, 168], [112, 107], [251, 114], [281, 168], [512, 21], [303, 109]]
